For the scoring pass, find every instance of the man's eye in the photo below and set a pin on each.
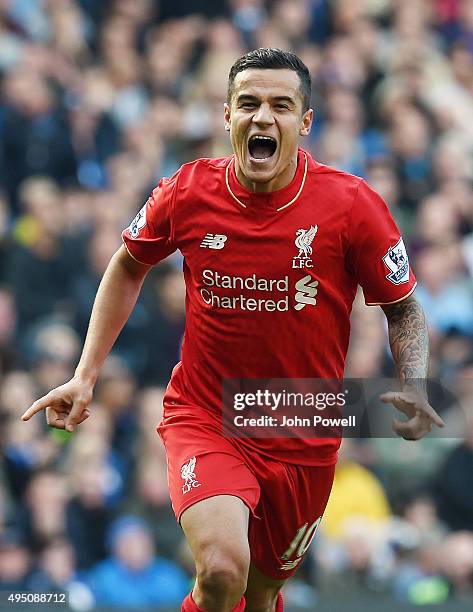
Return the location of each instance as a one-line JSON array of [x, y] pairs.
[[282, 106], [248, 105]]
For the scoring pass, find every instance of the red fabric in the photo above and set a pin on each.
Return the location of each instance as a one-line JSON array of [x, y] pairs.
[[279, 603], [286, 500], [447, 10], [240, 607], [244, 272], [188, 605], [367, 253]]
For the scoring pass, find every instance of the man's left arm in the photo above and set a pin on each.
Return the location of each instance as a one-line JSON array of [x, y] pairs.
[[409, 341]]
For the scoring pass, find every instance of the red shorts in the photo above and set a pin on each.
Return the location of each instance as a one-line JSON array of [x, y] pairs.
[[286, 501]]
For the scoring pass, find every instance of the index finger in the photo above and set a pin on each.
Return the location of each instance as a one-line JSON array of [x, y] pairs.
[[37, 406], [430, 412], [391, 397]]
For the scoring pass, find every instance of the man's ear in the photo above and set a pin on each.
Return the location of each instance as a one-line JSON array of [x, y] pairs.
[[306, 122], [226, 116]]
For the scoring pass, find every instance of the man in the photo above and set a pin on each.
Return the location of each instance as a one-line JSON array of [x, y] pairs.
[[259, 305], [132, 575]]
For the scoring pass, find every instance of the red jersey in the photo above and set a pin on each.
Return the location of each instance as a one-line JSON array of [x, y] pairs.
[[270, 278]]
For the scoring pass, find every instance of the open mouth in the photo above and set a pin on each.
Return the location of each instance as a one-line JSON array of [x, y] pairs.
[[262, 147]]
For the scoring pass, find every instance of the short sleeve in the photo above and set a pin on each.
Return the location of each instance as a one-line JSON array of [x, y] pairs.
[[376, 254], [149, 238]]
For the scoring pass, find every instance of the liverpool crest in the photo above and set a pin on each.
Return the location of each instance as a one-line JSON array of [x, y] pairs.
[[189, 477], [303, 242]]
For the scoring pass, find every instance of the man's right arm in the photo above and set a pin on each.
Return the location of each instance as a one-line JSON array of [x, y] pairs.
[[67, 405]]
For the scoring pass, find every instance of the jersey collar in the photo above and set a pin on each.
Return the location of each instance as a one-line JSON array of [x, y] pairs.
[[276, 200]]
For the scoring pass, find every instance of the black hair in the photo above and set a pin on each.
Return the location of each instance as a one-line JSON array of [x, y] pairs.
[[273, 58]]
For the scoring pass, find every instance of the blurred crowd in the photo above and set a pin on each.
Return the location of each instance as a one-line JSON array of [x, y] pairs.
[[101, 99]]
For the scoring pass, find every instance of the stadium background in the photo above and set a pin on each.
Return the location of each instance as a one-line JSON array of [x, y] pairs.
[[99, 100]]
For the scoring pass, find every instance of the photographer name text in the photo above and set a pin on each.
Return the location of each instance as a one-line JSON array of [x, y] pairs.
[[295, 421]]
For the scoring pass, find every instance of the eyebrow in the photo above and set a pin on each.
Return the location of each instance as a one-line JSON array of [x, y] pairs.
[[275, 98]]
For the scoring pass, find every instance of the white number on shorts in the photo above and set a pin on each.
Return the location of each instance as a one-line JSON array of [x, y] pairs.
[[301, 542]]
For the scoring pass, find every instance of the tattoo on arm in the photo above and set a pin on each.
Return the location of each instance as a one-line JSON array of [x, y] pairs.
[[409, 340]]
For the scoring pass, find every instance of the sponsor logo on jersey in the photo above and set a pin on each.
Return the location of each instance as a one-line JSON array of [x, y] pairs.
[[270, 294], [306, 291], [397, 262], [213, 241], [303, 242], [138, 223], [189, 477], [277, 288]]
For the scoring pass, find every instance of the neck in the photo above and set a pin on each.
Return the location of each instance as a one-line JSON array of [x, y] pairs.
[[281, 180]]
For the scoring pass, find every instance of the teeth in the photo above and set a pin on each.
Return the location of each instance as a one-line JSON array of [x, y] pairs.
[[262, 138]]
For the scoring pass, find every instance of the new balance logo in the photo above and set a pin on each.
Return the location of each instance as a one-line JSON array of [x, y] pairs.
[[306, 292], [213, 241]]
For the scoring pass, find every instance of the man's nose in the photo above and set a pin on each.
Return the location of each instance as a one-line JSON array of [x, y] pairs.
[[263, 115]]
